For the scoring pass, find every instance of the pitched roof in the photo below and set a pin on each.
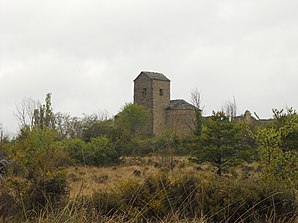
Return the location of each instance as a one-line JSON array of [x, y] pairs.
[[180, 104], [154, 76]]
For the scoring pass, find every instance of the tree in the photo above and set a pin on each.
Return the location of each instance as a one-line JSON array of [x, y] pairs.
[[287, 122], [44, 116], [133, 118], [96, 125], [280, 161], [36, 174], [99, 151], [49, 115], [196, 100], [248, 143], [1, 133], [25, 112], [32, 113], [230, 109], [219, 143], [64, 125]]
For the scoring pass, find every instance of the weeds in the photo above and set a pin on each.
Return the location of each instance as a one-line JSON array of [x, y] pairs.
[[180, 195], [190, 198]]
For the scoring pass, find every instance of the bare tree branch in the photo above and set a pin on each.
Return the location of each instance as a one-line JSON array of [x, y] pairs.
[[230, 109], [196, 99], [1, 133], [25, 112]]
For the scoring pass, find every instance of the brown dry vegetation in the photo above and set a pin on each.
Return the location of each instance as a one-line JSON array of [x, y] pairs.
[[181, 192], [85, 180], [89, 184]]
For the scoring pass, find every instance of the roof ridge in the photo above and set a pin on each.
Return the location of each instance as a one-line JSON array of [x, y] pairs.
[[180, 104], [154, 75]]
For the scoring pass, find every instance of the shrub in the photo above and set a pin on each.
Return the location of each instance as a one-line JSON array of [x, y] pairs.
[[99, 151], [226, 200], [75, 148], [35, 177], [197, 197], [184, 196]]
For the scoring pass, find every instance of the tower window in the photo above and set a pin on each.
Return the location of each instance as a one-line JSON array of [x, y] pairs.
[[161, 92], [144, 92]]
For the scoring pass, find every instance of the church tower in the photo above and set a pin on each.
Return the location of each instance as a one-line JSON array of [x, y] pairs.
[[152, 90]]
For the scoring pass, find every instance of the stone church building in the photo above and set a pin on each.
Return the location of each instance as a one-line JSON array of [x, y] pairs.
[[152, 90]]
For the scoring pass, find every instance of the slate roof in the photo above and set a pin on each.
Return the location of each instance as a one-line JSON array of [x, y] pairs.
[[180, 104], [154, 76]]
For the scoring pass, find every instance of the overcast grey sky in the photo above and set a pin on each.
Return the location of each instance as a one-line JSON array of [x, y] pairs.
[[87, 53]]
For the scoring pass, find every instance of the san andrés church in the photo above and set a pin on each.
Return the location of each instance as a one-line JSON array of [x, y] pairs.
[[152, 90]]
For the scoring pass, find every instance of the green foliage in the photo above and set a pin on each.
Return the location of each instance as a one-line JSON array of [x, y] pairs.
[[169, 140], [219, 143], [76, 149], [196, 99], [168, 143], [85, 128], [140, 146], [280, 161], [67, 126], [247, 201], [287, 125], [97, 128], [133, 118], [44, 116], [99, 151], [199, 123], [36, 176], [37, 148], [248, 143]]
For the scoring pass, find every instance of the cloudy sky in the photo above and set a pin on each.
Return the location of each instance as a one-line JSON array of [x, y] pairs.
[[87, 53]]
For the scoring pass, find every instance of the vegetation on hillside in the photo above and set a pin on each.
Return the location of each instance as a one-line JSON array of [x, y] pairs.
[[35, 165]]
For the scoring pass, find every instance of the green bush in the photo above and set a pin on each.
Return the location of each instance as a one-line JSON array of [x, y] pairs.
[[227, 200], [99, 151], [36, 176], [75, 148], [169, 142]]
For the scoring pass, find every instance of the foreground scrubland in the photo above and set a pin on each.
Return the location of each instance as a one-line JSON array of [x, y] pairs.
[[152, 189], [63, 169]]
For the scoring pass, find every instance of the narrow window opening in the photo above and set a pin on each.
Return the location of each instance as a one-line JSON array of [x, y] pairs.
[[161, 92], [144, 92]]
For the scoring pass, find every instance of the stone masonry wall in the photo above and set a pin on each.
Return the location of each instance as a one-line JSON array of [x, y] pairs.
[[144, 99], [161, 100], [155, 96], [181, 121]]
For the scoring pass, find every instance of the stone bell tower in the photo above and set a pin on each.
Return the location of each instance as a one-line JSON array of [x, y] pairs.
[[152, 90]]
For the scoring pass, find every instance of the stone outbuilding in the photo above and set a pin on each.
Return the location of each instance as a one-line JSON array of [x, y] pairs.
[[152, 90], [247, 117]]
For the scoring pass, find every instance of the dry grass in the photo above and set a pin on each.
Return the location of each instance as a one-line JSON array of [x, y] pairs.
[[84, 181]]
